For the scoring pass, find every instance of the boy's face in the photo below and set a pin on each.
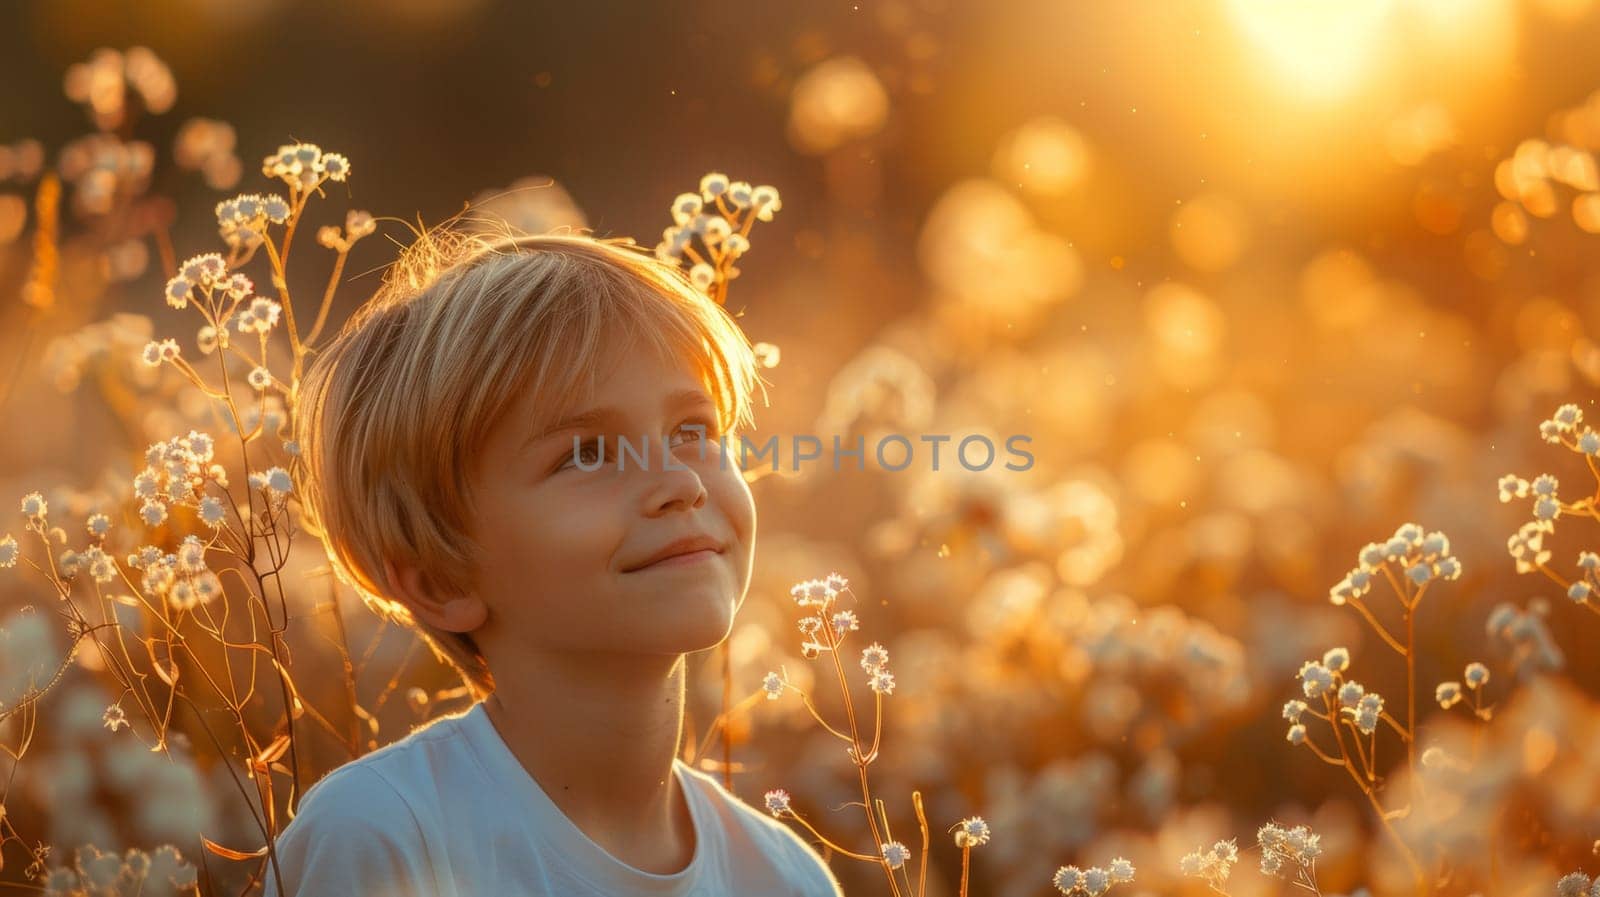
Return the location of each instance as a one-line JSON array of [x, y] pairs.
[[564, 550]]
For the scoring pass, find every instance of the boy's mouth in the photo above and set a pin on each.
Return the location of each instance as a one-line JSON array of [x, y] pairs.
[[687, 550]]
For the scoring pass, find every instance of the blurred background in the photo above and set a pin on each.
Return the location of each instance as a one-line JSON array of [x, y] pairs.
[[1262, 279]]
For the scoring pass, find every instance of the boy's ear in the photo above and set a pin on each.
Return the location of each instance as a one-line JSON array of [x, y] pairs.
[[451, 613]]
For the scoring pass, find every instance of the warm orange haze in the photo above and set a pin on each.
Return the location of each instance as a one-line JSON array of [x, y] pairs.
[[1169, 464]]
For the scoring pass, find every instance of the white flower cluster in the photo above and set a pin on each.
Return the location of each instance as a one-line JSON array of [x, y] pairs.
[[357, 224], [164, 871], [875, 660], [1526, 546], [181, 579], [1577, 884], [713, 214], [175, 473], [821, 594], [1325, 679], [1421, 556], [1524, 635], [1283, 849], [1093, 881], [1448, 694], [304, 167], [242, 221], [1212, 865]]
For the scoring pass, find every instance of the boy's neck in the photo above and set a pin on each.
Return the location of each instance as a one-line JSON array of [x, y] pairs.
[[600, 735]]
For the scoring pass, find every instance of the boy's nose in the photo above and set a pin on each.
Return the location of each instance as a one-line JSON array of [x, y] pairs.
[[673, 487]]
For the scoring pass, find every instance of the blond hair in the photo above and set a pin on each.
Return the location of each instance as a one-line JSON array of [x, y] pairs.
[[394, 410]]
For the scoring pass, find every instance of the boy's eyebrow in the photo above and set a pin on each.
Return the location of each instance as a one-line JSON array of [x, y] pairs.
[[593, 416]]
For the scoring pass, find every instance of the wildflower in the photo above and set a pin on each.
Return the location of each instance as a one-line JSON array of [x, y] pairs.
[[810, 625], [1296, 734], [192, 554], [1096, 880], [34, 507], [895, 854], [212, 512], [155, 352], [1447, 694], [1121, 870], [703, 276], [115, 718], [205, 339], [182, 595], [1280, 846], [812, 650], [9, 551], [1527, 546], [812, 592], [1567, 417], [1293, 709], [153, 512], [1575, 884], [736, 245], [773, 684], [1588, 560], [1409, 533], [765, 200], [1315, 679], [1435, 544], [207, 586], [1512, 486], [336, 167], [260, 378], [1476, 674], [1212, 865], [874, 657], [1420, 574], [1371, 557], [1355, 584], [1579, 591], [713, 185], [685, 206], [101, 567], [177, 292], [1337, 659], [972, 832], [778, 801], [1351, 693], [845, 621], [98, 525], [1547, 509], [739, 193], [716, 230], [1067, 879], [835, 582], [277, 480], [1366, 712], [204, 270], [260, 317], [1589, 442], [1448, 568], [882, 682]]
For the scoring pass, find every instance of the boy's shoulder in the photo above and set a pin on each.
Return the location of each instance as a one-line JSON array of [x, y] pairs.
[[369, 823], [399, 777]]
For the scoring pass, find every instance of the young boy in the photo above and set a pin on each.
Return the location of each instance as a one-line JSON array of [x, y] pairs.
[[450, 436]]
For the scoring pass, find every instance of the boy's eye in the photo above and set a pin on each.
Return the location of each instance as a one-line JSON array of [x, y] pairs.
[[696, 429], [587, 454]]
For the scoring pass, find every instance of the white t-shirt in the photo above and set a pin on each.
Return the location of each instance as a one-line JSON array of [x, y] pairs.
[[448, 810]]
